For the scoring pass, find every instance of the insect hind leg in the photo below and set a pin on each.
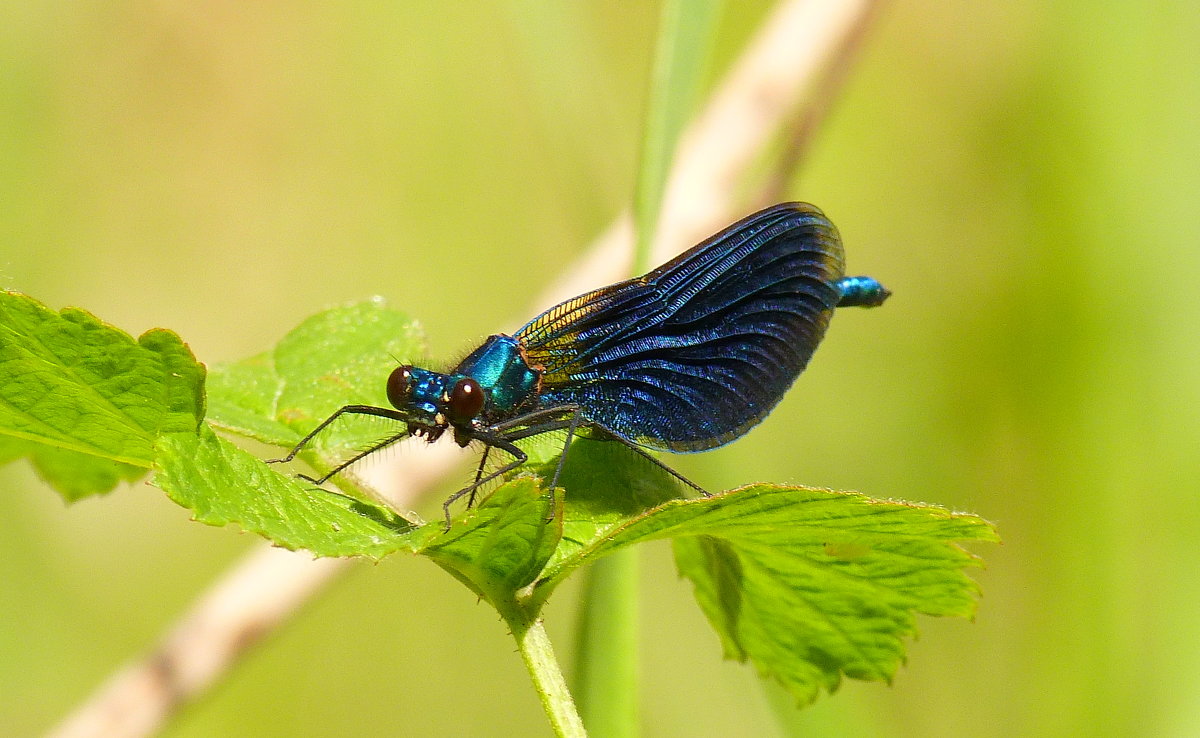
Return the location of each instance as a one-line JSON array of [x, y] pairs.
[[609, 435]]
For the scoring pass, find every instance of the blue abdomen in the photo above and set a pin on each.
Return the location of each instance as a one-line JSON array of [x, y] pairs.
[[861, 292]]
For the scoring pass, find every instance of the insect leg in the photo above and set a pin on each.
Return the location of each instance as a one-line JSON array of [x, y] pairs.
[[648, 457], [381, 412], [382, 444], [478, 475], [562, 457], [519, 458], [545, 412], [571, 424], [490, 438]]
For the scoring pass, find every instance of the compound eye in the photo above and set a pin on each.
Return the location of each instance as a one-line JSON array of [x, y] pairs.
[[399, 386], [466, 400]]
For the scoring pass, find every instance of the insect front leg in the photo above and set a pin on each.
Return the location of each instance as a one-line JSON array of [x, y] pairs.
[[381, 412], [362, 454]]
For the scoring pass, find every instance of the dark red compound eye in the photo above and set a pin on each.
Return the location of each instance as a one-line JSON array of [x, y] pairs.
[[399, 386], [466, 400]]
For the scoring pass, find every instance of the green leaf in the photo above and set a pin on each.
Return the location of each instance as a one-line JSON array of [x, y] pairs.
[[809, 584], [223, 484], [241, 399], [84, 400], [337, 357], [73, 474], [502, 544]]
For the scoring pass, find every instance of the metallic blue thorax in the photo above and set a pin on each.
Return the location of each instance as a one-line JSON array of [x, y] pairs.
[[500, 368]]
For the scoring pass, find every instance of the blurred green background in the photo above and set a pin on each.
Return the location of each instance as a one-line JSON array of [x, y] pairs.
[[1023, 175]]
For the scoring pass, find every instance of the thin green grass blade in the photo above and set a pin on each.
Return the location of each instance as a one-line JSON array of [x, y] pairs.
[[608, 633]]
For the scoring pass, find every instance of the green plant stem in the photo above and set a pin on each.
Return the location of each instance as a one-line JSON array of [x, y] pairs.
[[606, 672], [547, 677]]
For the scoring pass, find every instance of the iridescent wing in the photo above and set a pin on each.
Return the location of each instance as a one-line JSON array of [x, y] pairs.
[[691, 355]]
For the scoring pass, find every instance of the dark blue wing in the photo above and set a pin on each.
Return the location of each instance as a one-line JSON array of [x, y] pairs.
[[691, 355]]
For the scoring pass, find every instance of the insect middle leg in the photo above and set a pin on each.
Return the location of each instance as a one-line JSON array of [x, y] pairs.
[[478, 475], [519, 458], [502, 436]]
